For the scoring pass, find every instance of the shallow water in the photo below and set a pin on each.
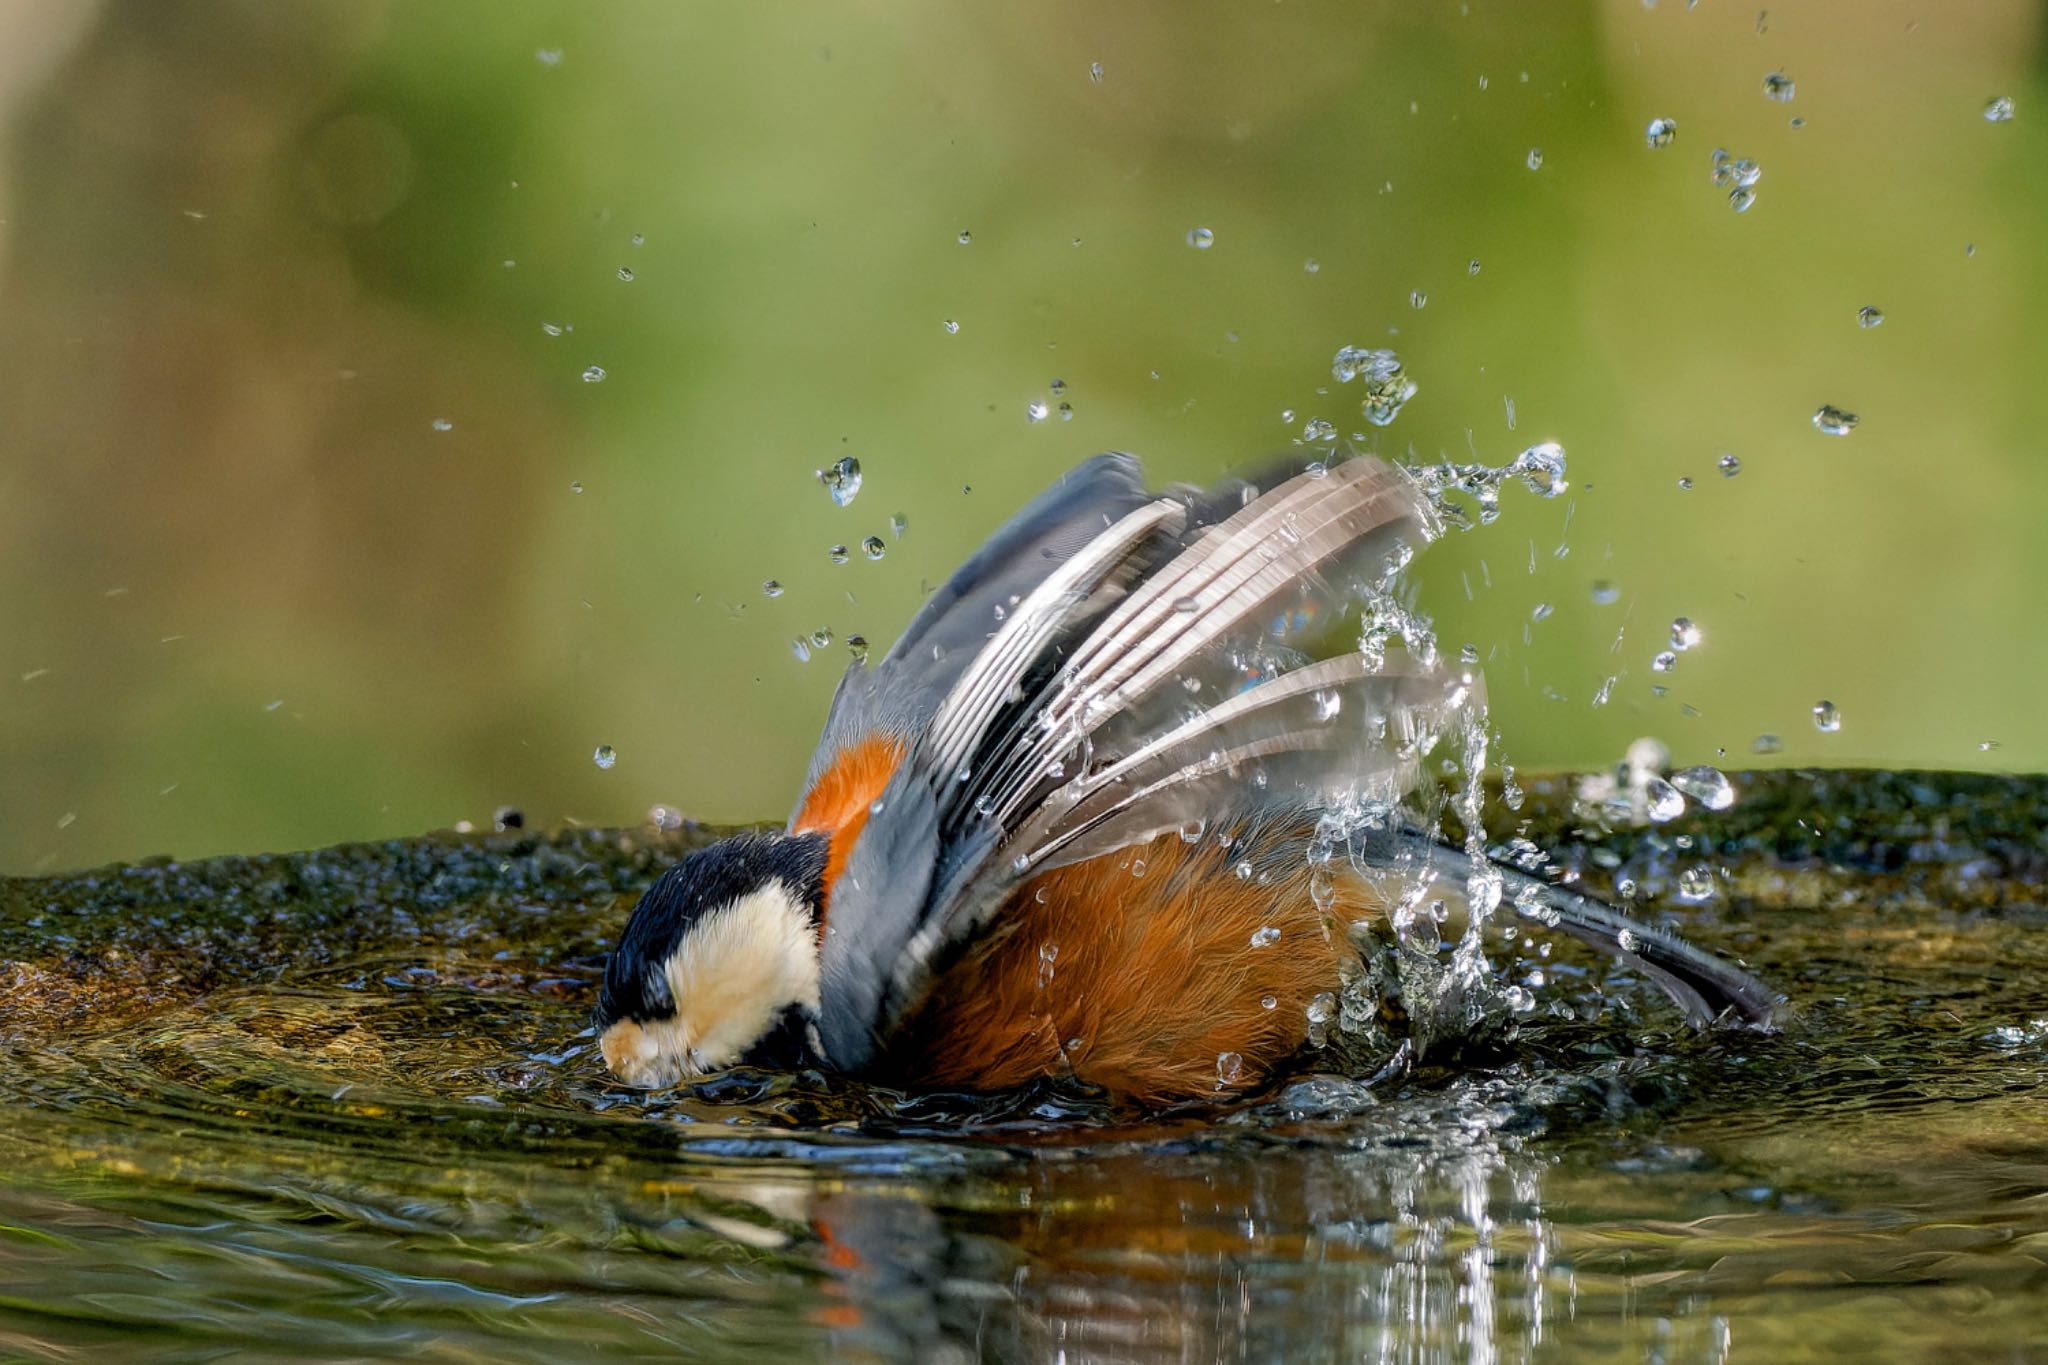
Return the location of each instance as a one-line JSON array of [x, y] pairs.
[[344, 1104]]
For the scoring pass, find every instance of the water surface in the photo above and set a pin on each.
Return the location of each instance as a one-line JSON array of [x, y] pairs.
[[344, 1104]]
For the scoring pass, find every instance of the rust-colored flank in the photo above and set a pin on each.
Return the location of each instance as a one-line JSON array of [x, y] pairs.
[[1138, 971]]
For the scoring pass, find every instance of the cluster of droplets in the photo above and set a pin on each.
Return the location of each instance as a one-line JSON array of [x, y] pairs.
[[1038, 409], [1540, 469], [1638, 792], [1739, 176], [1378, 370]]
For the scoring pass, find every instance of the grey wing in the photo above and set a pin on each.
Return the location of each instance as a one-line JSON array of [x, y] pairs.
[[899, 695], [1070, 734]]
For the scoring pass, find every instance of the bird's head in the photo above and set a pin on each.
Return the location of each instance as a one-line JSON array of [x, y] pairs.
[[719, 962]]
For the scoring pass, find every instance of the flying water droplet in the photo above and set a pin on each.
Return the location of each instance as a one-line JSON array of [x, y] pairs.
[[842, 479], [442, 424], [1766, 744], [605, 756], [1827, 717], [1535, 158], [1869, 315], [1483, 891], [801, 648], [1036, 410], [594, 375], [1201, 238], [898, 524], [1999, 110], [1605, 594], [626, 273], [1417, 299], [1660, 132], [1665, 802], [1664, 661], [1095, 72], [873, 548], [1778, 86], [1696, 884], [576, 485], [1833, 421], [966, 237], [1707, 785], [1684, 634], [837, 554], [1729, 466], [821, 637], [952, 327], [770, 588]]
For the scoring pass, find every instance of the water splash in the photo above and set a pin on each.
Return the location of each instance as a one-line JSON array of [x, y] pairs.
[[1540, 469], [1387, 386]]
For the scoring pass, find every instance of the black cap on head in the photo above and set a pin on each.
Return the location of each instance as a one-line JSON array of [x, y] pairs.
[[635, 979]]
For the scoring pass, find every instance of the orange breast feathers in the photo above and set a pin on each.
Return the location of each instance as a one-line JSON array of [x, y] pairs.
[[837, 803], [1138, 971]]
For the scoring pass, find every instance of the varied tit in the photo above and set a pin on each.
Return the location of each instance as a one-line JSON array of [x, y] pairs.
[[1064, 827]]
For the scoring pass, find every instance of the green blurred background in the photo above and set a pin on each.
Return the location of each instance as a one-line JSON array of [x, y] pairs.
[[254, 253]]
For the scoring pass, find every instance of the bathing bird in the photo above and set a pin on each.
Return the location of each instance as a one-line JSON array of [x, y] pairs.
[[1101, 813]]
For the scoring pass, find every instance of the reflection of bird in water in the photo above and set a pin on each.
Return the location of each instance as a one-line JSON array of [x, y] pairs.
[[1055, 832]]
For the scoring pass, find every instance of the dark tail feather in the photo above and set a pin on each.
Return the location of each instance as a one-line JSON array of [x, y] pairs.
[[1709, 989]]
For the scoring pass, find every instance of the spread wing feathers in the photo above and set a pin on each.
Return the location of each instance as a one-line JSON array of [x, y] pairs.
[[1329, 731], [1047, 706], [899, 695], [1099, 573], [1232, 573]]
